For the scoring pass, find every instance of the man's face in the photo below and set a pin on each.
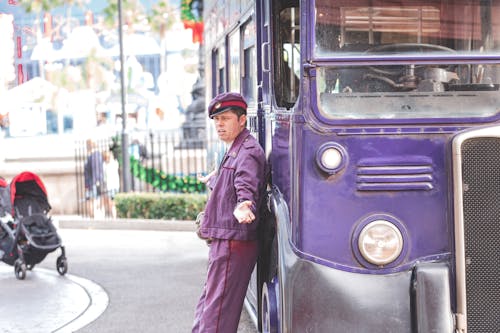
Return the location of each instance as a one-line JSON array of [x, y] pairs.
[[228, 125]]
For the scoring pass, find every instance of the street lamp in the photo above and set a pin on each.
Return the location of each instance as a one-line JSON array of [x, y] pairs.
[[125, 153]]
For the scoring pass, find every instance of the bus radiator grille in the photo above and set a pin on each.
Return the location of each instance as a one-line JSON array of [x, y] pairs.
[[481, 208]]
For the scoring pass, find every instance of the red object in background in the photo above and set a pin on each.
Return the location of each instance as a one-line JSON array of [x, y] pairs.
[[89, 18], [197, 28], [20, 74], [47, 24], [19, 47]]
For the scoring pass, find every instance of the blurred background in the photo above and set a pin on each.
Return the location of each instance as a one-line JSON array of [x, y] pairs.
[[66, 78]]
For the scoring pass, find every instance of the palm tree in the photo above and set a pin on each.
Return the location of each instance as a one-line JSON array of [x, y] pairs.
[[133, 11], [161, 19], [37, 6]]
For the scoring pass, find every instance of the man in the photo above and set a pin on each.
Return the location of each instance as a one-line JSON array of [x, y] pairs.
[[231, 218]]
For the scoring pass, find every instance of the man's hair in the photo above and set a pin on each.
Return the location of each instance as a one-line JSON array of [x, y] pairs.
[[238, 111]]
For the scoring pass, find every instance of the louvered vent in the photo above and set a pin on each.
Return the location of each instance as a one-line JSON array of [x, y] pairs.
[[408, 174]]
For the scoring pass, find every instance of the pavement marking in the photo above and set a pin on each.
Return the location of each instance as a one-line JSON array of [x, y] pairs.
[[97, 305]]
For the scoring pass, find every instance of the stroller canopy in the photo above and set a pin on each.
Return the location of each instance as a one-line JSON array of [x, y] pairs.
[[28, 194]]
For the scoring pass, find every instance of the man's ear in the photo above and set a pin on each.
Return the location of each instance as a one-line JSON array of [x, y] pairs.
[[243, 119]]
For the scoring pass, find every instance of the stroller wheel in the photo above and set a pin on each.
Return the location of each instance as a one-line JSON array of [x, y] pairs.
[[20, 269], [62, 265]]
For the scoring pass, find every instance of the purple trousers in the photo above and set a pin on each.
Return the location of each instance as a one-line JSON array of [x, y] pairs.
[[230, 265]]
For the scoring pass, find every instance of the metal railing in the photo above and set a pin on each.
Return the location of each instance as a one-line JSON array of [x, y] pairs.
[[160, 161]]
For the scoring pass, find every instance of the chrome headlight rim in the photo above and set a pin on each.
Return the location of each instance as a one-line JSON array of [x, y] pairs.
[[373, 264], [336, 148]]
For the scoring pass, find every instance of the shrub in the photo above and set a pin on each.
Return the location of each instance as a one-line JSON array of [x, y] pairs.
[[166, 206]]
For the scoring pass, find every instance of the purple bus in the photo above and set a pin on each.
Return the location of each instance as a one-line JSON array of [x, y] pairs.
[[381, 122]]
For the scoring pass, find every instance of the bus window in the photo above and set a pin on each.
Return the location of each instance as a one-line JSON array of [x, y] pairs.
[[234, 61], [249, 79], [221, 69], [213, 70], [209, 66], [356, 27], [287, 67], [417, 29]]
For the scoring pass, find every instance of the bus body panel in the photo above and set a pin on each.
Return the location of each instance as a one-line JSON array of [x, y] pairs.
[[333, 207], [317, 298]]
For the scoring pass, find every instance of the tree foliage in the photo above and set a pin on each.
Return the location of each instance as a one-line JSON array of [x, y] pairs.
[[37, 6], [162, 17], [132, 10]]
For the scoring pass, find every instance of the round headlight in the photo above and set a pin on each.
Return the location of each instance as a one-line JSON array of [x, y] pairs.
[[330, 157], [380, 242]]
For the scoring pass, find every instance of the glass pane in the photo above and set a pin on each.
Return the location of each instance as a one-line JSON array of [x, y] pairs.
[[249, 77], [386, 27], [234, 61], [411, 28], [287, 61], [395, 92], [221, 69]]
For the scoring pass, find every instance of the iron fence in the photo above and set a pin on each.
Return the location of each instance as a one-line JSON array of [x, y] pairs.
[[160, 161]]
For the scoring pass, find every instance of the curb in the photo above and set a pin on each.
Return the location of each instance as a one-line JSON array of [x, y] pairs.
[[98, 302], [77, 222], [74, 301]]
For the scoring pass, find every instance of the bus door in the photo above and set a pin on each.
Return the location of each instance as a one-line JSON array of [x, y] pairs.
[[278, 72]]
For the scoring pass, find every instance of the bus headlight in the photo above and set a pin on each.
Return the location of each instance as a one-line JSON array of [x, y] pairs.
[[330, 157], [380, 242]]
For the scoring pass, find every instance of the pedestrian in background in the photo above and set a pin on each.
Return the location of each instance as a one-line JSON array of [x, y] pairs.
[[231, 218], [111, 182], [94, 178]]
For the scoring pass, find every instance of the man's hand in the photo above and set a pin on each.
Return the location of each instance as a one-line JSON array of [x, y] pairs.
[[205, 179], [243, 212]]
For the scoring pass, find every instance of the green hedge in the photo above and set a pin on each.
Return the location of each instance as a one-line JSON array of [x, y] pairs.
[[165, 182], [167, 206]]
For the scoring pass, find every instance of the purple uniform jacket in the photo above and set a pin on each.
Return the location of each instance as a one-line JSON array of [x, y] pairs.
[[241, 177]]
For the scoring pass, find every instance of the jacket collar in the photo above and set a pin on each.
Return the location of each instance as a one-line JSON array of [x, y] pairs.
[[238, 141]]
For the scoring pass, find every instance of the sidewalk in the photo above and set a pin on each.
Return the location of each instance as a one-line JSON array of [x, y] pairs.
[[45, 302]]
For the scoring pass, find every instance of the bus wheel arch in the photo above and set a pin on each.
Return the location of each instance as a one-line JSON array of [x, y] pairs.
[[271, 306]]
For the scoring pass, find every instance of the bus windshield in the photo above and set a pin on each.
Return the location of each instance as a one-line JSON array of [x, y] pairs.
[[413, 39]]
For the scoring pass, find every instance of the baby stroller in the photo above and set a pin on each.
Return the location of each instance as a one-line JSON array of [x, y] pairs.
[[8, 253], [30, 231]]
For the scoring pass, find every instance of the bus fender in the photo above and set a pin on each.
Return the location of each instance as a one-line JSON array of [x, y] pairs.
[[432, 298], [286, 256]]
